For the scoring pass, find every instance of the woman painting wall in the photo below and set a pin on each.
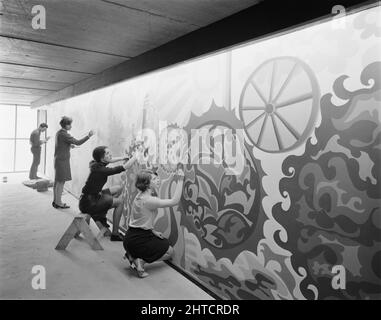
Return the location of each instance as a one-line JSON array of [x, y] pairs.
[[63, 143]]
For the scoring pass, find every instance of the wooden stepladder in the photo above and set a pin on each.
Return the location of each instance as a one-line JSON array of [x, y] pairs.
[[80, 225]]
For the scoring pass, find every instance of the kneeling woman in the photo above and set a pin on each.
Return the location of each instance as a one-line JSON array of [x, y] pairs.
[[142, 243], [95, 201]]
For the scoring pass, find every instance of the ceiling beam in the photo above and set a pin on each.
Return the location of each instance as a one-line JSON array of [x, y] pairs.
[[3, 63], [18, 98], [35, 84], [37, 73], [264, 19], [24, 91], [193, 12], [58, 45], [49, 56], [20, 103], [145, 11]]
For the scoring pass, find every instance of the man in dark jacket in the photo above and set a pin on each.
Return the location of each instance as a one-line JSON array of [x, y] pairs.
[[36, 143]]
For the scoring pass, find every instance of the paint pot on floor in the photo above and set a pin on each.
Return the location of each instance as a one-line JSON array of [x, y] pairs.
[[5, 179]]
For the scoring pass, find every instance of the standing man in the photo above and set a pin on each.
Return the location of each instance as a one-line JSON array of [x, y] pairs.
[[36, 143]]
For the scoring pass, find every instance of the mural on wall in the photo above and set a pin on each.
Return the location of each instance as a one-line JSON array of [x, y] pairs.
[[308, 195], [335, 192], [260, 104]]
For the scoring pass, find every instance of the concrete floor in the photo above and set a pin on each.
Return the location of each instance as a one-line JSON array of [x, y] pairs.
[[30, 229]]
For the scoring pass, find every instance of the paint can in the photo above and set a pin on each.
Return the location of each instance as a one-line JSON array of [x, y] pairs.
[[5, 179]]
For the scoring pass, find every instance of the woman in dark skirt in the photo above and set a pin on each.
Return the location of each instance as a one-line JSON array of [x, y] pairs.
[[142, 243], [64, 142]]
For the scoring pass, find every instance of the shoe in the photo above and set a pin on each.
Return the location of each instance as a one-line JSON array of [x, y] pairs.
[[107, 233], [54, 205], [116, 237], [64, 206], [130, 259], [139, 268], [142, 273]]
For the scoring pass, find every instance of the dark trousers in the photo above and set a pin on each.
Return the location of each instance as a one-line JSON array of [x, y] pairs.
[[36, 161]]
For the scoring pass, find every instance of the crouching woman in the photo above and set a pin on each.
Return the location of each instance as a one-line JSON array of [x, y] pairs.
[[142, 243], [95, 200]]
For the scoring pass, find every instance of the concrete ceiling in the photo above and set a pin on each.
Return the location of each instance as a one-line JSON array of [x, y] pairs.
[[85, 37]]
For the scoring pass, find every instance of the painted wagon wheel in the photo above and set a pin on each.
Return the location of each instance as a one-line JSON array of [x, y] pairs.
[[271, 103]]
